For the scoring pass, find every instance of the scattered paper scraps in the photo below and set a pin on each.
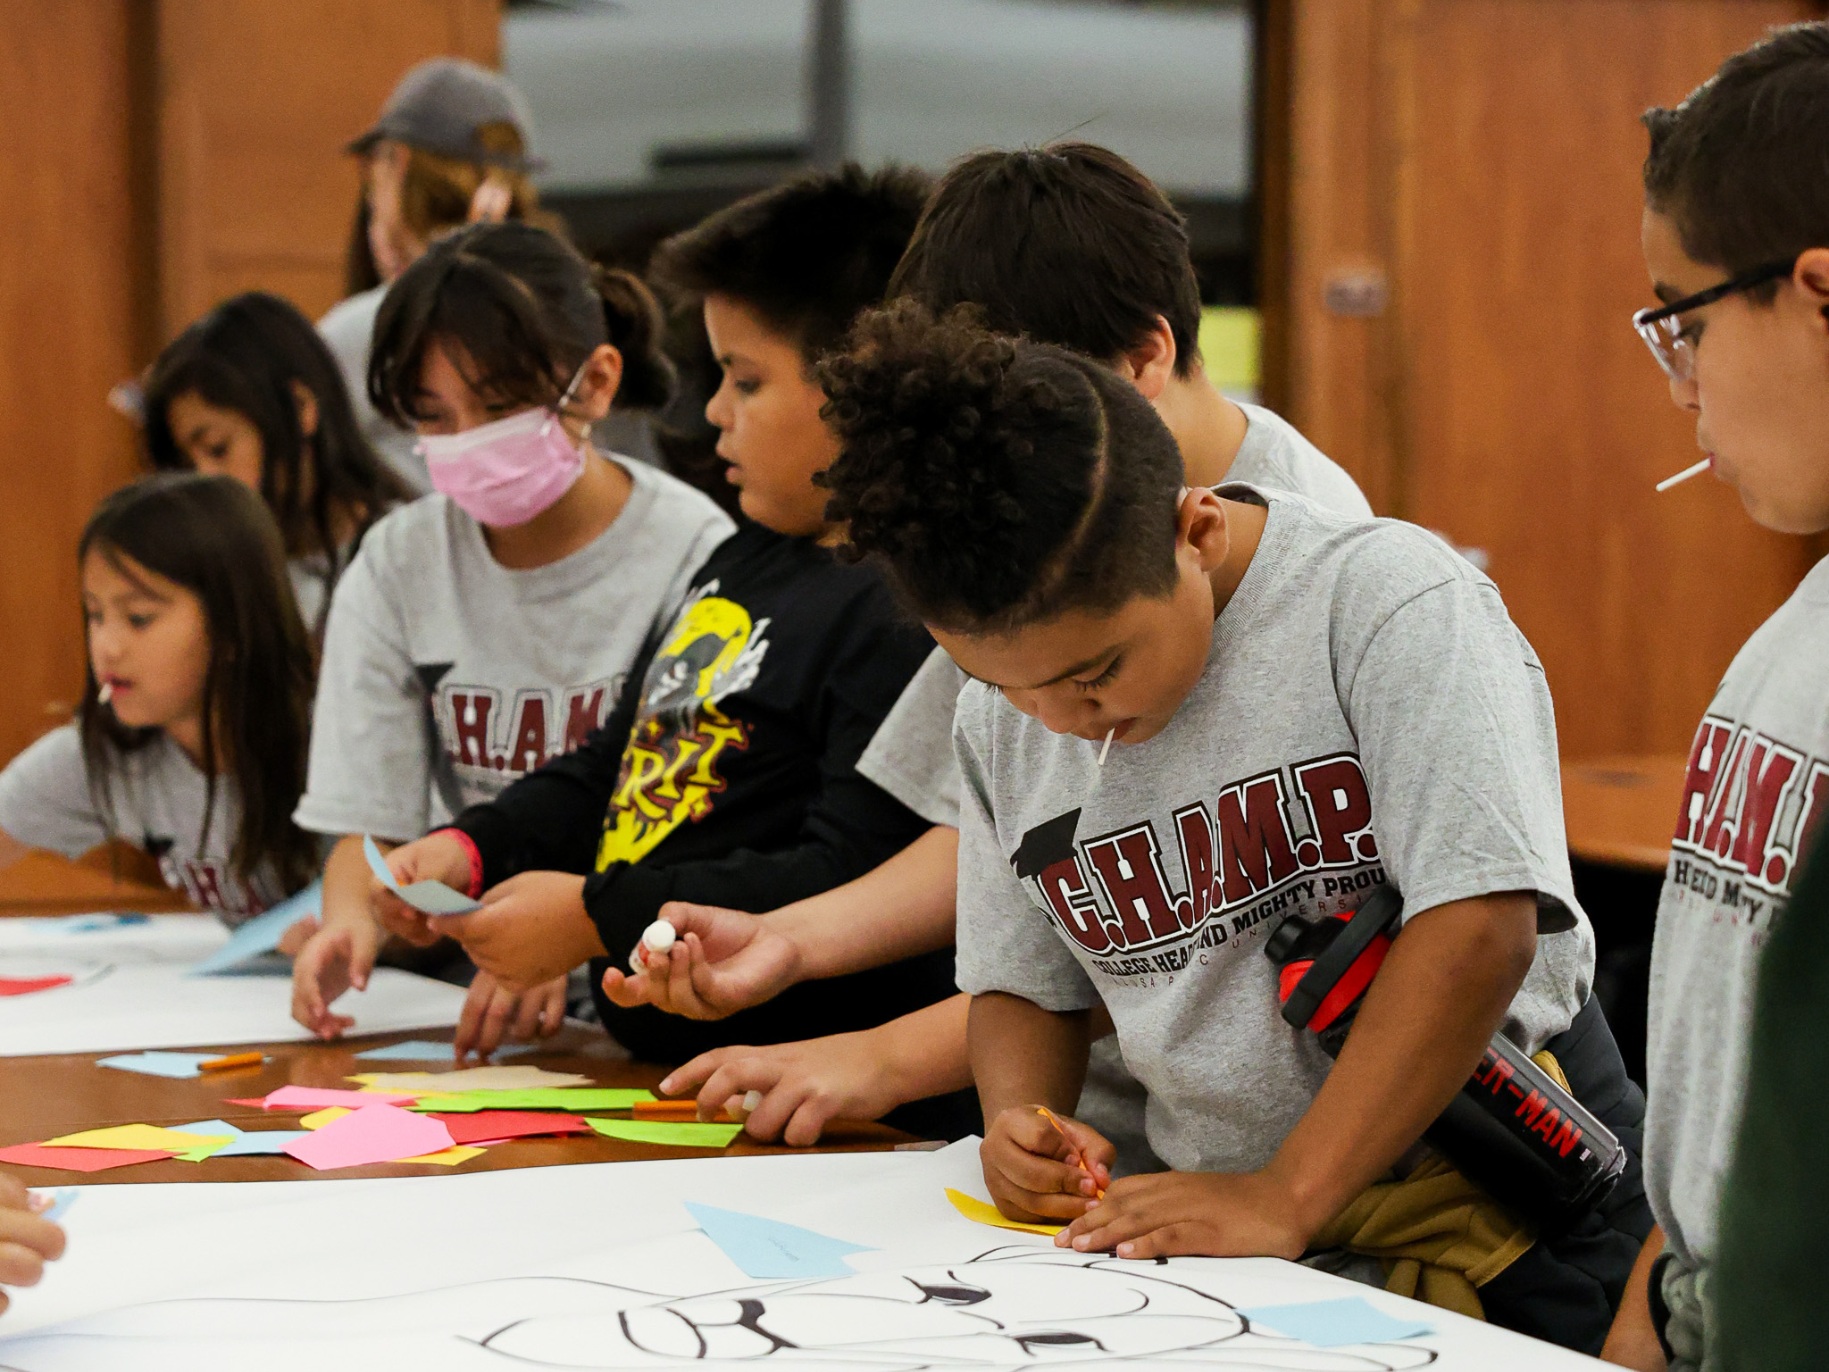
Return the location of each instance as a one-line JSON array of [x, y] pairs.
[[374, 1133], [573, 1099], [982, 1212], [218, 1133], [80, 1159], [446, 1157], [498, 1126], [261, 935], [427, 897], [177, 1066], [25, 986], [768, 1249], [133, 1137], [668, 1133], [520, 1078], [317, 1097], [317, 1119], [1336, 1323]]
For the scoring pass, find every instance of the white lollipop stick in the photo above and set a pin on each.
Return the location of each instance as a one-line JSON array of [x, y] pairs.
[[1685, 474], [1107, 748]]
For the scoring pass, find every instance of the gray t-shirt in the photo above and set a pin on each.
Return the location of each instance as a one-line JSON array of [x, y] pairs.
[[1368, 712], [446, 675], [912, 756], [155, 799], [1758, 782], [348, 328]]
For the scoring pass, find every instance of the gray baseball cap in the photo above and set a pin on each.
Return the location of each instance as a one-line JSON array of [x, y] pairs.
[[440, 104]]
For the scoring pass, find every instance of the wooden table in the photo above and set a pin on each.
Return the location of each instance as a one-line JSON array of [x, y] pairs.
[[120, 878], [45, 1097], [1621, 811]]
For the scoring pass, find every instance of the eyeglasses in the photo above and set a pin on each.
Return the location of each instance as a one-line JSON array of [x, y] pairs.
[[1668, 337]]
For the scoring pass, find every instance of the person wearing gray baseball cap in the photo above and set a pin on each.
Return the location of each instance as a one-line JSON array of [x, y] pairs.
[[453, 145]]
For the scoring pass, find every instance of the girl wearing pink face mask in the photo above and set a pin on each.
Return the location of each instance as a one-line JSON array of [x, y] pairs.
[[489, 626]]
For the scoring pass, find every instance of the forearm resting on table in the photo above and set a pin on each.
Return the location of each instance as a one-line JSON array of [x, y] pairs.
[[1442, 992], [924, 1052], [899, 910], [1022, 1054]]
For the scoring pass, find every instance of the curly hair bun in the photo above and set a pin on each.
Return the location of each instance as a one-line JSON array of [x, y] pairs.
[[970, 460]]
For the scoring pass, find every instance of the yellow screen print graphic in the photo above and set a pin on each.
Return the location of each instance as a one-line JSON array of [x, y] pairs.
[[670, 767]]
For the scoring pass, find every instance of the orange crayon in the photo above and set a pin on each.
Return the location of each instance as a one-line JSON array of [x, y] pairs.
[[1074, 1153], [232, 1060]]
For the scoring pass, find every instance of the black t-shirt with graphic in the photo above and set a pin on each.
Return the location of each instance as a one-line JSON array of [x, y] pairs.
[[729, 778]]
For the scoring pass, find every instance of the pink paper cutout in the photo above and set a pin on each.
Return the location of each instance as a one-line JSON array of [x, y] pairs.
[[374, 1133], [78, 1159], [318, 1098]]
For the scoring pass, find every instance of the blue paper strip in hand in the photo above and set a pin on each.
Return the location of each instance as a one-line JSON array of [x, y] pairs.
[[427, 897]]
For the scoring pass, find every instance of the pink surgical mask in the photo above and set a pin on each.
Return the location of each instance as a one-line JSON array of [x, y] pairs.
[[509, 470]]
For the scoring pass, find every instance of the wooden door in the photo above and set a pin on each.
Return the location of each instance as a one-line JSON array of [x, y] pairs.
[[1458, 265], [160, 155]]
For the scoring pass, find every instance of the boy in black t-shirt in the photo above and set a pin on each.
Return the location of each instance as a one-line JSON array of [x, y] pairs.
[[728, 775]]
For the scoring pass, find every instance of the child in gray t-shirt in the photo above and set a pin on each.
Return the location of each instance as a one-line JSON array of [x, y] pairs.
[[190, 739], [489, 627], [1198, 713]]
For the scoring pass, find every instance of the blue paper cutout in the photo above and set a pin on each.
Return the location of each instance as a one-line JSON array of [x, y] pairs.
[[262, 933], [260, 1142], [1336, 1323], [177, 1066], [219, 1128], [95, 924], [769, 1249], [427, 897], [61, 1200]]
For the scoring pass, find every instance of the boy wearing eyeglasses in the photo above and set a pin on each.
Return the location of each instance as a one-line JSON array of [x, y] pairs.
[[1736, 236]]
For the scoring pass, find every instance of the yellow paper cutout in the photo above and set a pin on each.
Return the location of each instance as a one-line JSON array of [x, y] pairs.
[[134, 1136], [490, 1077], [317, 1119], [978, 1212], [447, 1157]]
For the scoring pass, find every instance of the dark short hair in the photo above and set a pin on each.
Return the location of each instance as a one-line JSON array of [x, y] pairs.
[[1068, 244], [806, 255], [215, 538], [246, 355], [999, 481], [1741, 167], [526, 310]]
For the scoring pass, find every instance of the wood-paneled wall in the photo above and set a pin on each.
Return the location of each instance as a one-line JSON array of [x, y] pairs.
[[1449, 296], [161, 154]]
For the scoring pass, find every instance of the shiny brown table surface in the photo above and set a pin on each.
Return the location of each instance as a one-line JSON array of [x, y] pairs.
[[1621, 811]]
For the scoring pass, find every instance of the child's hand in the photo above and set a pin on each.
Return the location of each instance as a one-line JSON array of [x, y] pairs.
[[436, 857], [1034, 1174], [494, 1015], [532, 929], [724, 961], [1217, 1214], [804, 1086], [338, 956], [300, 932], [27, 1242]]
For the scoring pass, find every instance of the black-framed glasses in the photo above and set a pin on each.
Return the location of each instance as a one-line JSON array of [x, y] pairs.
[[1667, 337]]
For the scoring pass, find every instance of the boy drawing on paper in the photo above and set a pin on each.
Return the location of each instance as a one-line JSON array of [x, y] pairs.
[[1303, 706], [1736, 237]]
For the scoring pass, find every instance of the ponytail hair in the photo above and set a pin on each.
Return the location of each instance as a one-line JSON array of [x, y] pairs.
[[521, 310], [214, 537]]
